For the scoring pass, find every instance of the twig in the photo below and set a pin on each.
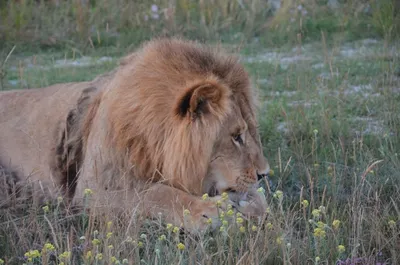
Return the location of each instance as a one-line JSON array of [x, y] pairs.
[[370, 168], [8, 56], [2, 69]]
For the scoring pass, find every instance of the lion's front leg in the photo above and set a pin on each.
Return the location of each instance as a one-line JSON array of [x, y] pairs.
[[176, 206], [181, 208]]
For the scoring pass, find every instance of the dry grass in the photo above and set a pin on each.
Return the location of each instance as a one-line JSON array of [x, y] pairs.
[[335, 194]]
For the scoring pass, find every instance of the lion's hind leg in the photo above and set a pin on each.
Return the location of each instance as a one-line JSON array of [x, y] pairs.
[[17, 193]]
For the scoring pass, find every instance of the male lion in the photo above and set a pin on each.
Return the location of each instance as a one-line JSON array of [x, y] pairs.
[[174, 121]]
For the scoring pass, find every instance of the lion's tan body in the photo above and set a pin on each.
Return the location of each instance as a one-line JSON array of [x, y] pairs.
[[174, 121], [29, 120]]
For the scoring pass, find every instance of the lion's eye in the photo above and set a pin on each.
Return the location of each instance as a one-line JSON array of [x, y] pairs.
[[238, 138]]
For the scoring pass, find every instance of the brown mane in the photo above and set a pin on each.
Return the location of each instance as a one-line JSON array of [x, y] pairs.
[[168, 132]]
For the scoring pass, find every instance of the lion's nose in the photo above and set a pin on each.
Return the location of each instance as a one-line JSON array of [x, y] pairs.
[[262, 173], [261, 176]]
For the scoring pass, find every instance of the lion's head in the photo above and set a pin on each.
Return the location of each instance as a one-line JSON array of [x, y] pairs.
[[185, 115]]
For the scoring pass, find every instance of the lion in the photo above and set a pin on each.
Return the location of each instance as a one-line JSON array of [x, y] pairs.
[[174, 121]]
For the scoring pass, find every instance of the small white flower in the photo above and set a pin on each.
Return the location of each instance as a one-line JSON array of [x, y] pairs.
[[154, 8]]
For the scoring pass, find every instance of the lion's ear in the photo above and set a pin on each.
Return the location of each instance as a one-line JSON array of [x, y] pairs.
[[202, 99]]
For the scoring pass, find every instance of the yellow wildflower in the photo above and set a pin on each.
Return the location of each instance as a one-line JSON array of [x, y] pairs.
[[205, 196], [140, 244], [278, 194], [392, 223], [169, 226], [279, 240], [162, 238], [224, 196], [109, 235], [219, 203], [1, 262], [335, 224], [32, 254], [317, 259], [316, 213], [305, 203], [321, 224], [261, 190], [230, 212], [225, 223], [99, 256], [110, 247], [109, 224], [35, 253], [175, 230], [341, 248], [65, 255], [96, 242], [181, 246], [49, 246], [89, 255], [59, 199], [222, 229], [222, 215], [88, 192], [113, 260], [269, 226], [186, 212], [239, 220], [46, 209], [319, 232], [242, 229], [209, 221], [254, 228], [271, 173]]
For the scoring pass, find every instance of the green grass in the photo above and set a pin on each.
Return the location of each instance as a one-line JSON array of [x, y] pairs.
[[330, 125]]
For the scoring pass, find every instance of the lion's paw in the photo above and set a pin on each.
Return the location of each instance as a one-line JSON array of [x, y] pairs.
[[206, 214], [254, 205]]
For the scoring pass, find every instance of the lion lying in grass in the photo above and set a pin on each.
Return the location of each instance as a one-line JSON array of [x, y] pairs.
[[174, 121]]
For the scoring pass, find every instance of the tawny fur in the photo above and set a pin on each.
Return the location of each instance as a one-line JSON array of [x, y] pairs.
[[158, 130]]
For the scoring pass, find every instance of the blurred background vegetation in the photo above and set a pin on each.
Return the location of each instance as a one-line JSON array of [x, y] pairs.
[[87, 24]]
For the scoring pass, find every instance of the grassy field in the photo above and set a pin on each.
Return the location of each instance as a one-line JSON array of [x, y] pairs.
[[329, 82]]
